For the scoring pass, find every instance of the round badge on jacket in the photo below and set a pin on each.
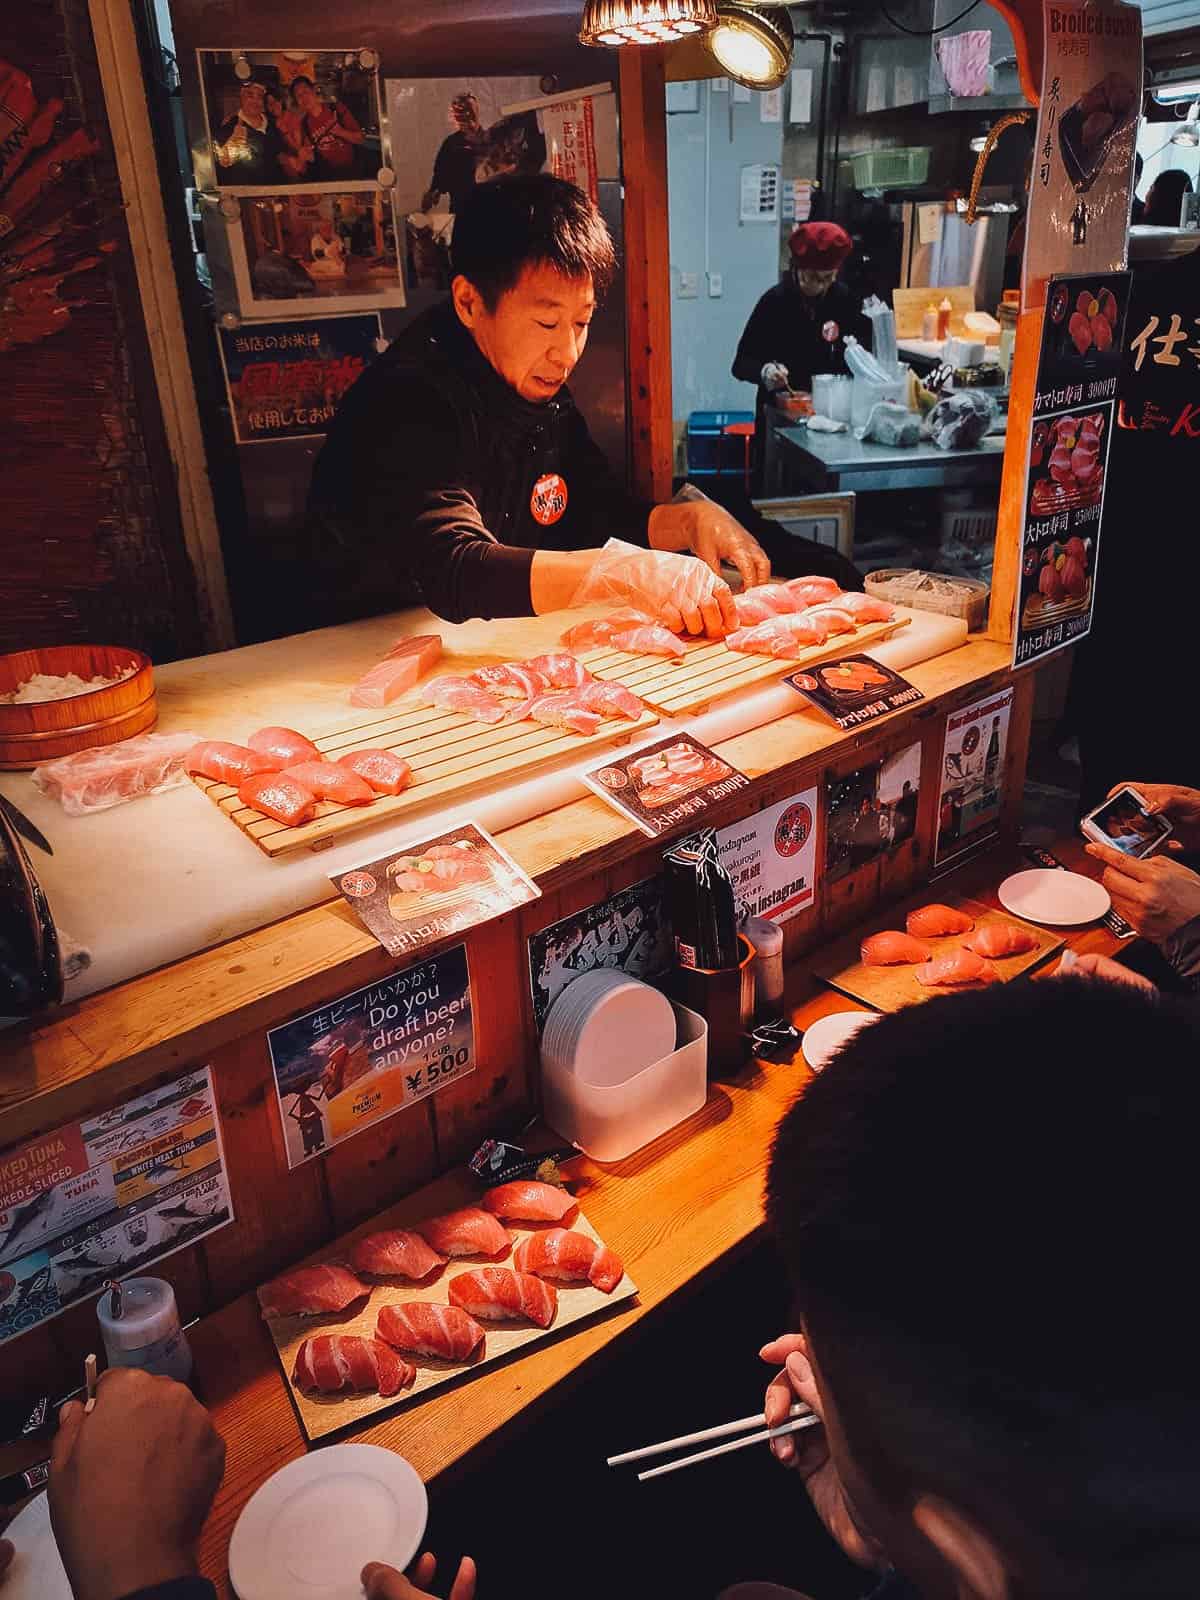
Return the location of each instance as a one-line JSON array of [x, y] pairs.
[[831, 333], [549, 499]]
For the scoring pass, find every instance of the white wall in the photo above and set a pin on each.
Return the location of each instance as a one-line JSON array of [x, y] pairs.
[[706, 151], [1160, 155]]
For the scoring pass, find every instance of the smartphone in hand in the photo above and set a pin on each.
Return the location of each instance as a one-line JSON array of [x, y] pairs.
[[1124, 822]]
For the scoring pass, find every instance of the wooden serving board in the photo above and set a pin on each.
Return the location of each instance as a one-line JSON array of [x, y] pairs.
[[890, 988], [679, 685], [448, 752], [325, 1414]]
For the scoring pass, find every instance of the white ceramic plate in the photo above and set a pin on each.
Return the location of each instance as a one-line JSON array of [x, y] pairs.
[[313, 1526], [37, 1570], [828, 1034], [1047, 894]]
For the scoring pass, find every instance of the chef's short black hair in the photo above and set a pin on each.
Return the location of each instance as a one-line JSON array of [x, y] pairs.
[[527, 220], [986, 1204]]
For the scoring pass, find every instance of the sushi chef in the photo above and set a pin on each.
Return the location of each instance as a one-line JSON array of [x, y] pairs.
[[799, 327], [458, 472]]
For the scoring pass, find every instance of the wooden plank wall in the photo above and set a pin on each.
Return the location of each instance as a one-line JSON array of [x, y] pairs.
[[282, 1214]]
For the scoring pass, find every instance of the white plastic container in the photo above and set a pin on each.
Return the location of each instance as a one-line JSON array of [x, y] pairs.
[[866, 395], [608, 1120], [147, 1332]]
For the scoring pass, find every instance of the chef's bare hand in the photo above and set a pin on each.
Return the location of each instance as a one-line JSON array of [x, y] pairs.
[[1092, 966], [131, 1484], [775, 376], [382, 1582], [1180, 806], [1157, 896], [807, 1452]]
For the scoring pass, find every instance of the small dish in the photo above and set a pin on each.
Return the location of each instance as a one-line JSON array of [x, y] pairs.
[[827, 1035], [1048, 894], [37, 1572]]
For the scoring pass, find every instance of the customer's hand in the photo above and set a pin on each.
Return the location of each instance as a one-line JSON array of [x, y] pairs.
[[1179, 805], [694, 522], [6, 1552], [1092, 966], [131, 1484], [807, 1452], [381, 1582], [1157, 897]]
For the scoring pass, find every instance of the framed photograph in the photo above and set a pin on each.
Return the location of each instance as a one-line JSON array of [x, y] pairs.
[[314, 251], [291, 117]]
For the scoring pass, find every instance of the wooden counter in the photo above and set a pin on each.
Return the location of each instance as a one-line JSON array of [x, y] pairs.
[[216, 1006]]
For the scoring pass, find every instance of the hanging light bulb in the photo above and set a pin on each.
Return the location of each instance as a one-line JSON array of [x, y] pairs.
[[752, 46], [620, 22]]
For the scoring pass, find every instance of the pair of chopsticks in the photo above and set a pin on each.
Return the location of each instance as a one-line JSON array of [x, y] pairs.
[[800, 1416]]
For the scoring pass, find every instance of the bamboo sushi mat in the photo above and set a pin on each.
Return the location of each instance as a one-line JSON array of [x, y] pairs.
[[324, 1414], [709, 671], [449, 753]]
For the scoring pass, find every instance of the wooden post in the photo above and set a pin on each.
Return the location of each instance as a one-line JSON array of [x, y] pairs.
[[647, 268]]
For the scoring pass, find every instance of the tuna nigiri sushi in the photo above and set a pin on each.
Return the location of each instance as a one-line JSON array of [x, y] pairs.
[[563, 709], [395, 1253], [784, 637], [328, 780], [893, 949], [456, 694], [953, 968], [495, 1294], [626, 629], [608, 699], [527, 1200], [311, 1291], [812, 591], [384, 770], [331, 1363], [469, 1232], [865, 608], [569, 1258], [405, 663], [999, 939], [832, 616], [937, 921], [226, 763], [426, 1329], [284, 746], [513, 681], [560, 670], [278, 796], [763, 601]]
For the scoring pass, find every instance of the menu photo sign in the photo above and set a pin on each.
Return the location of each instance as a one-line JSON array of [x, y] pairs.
[[662, 785], [351, 1062], [854, 689], [1073, 415], [107, 1197]]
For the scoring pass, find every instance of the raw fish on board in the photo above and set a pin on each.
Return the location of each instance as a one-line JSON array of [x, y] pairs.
[[469, 1232], [999, 939], [864, 608], [784, 637], [513, 681], [226, 763], [395, 1253], [384, 770], [424, 1328], [563, 709], [328, 780], [893, 949], [311, 1291], [568, 1257], [560, 669], [276, 795], [812, 591], [457, 694], [284, 746], [831, 616], [331, 1363], [937, 921], [496, 1294], [608, 699], [955, 967], [626, 629], [403, 666], [527, 1200]]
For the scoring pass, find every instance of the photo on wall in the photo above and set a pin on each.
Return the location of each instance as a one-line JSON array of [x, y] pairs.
[[872, 811], [315, 251], [291, 117]]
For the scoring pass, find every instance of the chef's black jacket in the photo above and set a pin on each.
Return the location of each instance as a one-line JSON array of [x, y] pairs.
[[804, 334], [437, 484]]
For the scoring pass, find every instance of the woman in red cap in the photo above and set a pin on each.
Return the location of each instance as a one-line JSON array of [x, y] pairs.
[[799, 327]]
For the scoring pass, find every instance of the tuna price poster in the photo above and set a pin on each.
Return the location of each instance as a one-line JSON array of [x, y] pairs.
[[1073, 410], [771, 858], [285, 379], [664, 784], [972, 779], [352, 1062], [1082, 179], [108, 1196]]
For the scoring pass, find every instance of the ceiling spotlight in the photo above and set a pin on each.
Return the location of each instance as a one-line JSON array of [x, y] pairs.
[[751, 46], [621, 22]]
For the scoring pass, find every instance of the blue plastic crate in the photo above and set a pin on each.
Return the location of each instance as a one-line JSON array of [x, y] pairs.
[[708, 449]]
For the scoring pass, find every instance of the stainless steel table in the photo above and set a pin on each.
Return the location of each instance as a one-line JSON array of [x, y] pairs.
[[838, 461]]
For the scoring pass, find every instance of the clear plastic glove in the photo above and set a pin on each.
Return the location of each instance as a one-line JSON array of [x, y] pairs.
[[775, 377], [682, 592]]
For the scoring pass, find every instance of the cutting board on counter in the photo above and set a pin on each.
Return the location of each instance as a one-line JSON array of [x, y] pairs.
[[890, 988], [679, 685], [449, 753]]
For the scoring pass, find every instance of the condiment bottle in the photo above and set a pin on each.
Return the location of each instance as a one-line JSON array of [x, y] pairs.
[[139, 1322], [767, 938], [943, 318], [929, 323]]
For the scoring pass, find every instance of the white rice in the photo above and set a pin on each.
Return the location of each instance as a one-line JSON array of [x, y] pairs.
[[49, 686]]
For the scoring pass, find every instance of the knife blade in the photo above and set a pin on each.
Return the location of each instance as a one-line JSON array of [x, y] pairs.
[[28, 830]]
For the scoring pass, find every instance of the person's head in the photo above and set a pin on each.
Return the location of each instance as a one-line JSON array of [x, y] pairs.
[[251, 98], [986, 1205], [818, 250], [304, 92], [325, 227], [464, 112], [1164, 199], [530, 255]]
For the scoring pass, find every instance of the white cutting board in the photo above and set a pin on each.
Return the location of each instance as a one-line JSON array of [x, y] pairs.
[[158, 879]]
